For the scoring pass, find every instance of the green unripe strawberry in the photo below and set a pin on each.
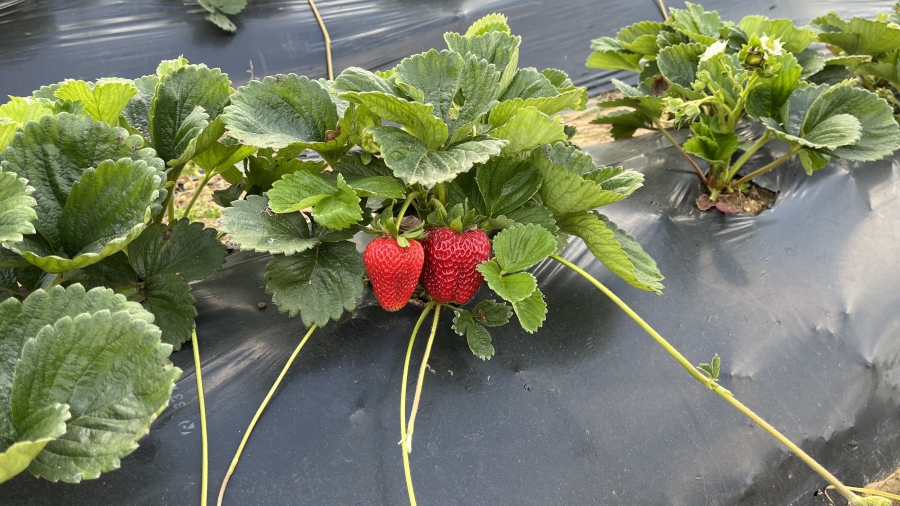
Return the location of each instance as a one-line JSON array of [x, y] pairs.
[[393, 270]]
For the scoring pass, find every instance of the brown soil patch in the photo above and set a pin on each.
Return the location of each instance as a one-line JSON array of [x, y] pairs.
[[753, 203], [890, 485], [590, 134], [204, 209]]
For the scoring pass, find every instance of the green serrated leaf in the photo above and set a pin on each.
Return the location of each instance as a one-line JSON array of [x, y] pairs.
[[251, 226], [534, 213], [532, 311], [186, 99], [565, 192], [479, 340], [37, 430], [813, 161], [418, 119], [491, 313], [678, 63], [640, 37], [319, 284], [111, 370], [528, 129], [264, 171], [22, 110], [574, 99], [505, 184], [769, 94], [524, 246], [614, 60], [794, 40], [413, 162], [863, 36], [702, 26], [137, 111], [496, 47], [529, 83], [221, 20], [480, 87], [512, 288], [490, 23], [437, 75], [180, 247], [16, 207], [169, 298], [379, 186], [8, 129], [615, 249], [334, 205], [104, 101], [570, 157]]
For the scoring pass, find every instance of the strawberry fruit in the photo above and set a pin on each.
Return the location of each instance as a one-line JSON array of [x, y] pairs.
[[393, 270], [449, 273]]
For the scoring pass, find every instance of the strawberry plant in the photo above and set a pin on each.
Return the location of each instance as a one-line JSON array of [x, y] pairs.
[[868, 50], [95, 260], [698, 71]]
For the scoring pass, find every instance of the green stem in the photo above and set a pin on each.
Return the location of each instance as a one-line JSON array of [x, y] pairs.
[[259, 411], [662, 8], [746, 156], [204, 480], [683, 152], [738, 110], [197, 192], [169, 203], [403, 209], [403, 435], [765, 169], [711, 384], [422, 368], [57, 280], [870, 491]]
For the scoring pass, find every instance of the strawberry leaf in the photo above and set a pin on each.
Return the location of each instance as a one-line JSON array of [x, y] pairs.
[[8, 129], [413, 162], [537, 214], [169, 298], [16, 207], [505, 184], [43, 426], [479, 88], [523, 246], [532, 311], [490, 23], [767, 96], [529, 83], [565, 192], [863, 36], [513, 288], [478, 337], [264, 170], [137, 111], [183, 248], [574, 99], [491, 313], [702, 26], [497, 47], [319, 283], [614, 59], [794, 40], [417, 118], [254, 228], [104, 101], [436, 75], [528, 129], [22, 110], [334, 206], [618, 251], [186, 100]]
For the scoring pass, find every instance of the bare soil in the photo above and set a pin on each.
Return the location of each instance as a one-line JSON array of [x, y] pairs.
[[891, 485], [753, 203]]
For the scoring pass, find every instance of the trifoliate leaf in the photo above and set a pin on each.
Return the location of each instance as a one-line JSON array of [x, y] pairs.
[[813, 161], [614, 60], [208, 152], [334, 205], [617, 251], [678, 63], [415, 117], [640, 37], [436, 75], [480, 87], [104, 101], [180, 247], [254, 228], [36, 431], [565, 192], [225, 6], [111, 370], [490, 23], [702, 26], [16, 207], [137, 111], [497, 47], [169, 298], [863, 36], [319, 284], [558, 78], [711, 144], [768, 95], [505, 184], [529, 129], [186, 100], [22, 110], [479, 340], [574, 99], [514, 287], [532, 311], [524, 246], [85, 234], [413, 162], [264, 171]]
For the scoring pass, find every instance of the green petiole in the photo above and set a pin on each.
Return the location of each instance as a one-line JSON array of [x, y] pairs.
[[403, 434], [204, 479]]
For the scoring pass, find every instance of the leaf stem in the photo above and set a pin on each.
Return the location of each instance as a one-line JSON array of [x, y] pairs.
[[197, 192], [169, 202], [662, 8], [738, 110], [312, 5], [204, 480], [683, 152], [406, 204], [711, 384], [870, 491], [765, 169], [422, 368], [746, 156], [403, 435], [259, 411]]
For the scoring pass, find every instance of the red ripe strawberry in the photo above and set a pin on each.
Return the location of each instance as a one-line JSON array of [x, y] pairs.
[[449, 274], [393, 270]]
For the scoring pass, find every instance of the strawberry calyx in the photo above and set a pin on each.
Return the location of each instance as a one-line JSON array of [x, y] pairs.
[[458, 217], [387, 226]]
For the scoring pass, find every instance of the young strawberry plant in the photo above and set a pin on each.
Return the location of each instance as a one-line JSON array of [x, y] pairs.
[[697, 71], [866, 49], [88, 172]]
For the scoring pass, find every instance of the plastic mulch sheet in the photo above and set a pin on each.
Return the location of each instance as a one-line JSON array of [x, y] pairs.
[[800, 302]]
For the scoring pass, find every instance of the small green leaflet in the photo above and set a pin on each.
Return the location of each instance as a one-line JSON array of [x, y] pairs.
[[36, 431], [565, 192], [702, 26], [319, 283], [104, 101], [169, 298], [712, 369], [532, 311], [478, 337], [216, 11], [180, 247], [415, 117], [514, 287], [521, 247], [528, 129], [678, 63], [334, 206], [256, 228], [22, 110], [505, 184]]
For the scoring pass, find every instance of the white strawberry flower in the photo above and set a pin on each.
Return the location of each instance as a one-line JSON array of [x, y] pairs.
[[772, 46], [717, 48]]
